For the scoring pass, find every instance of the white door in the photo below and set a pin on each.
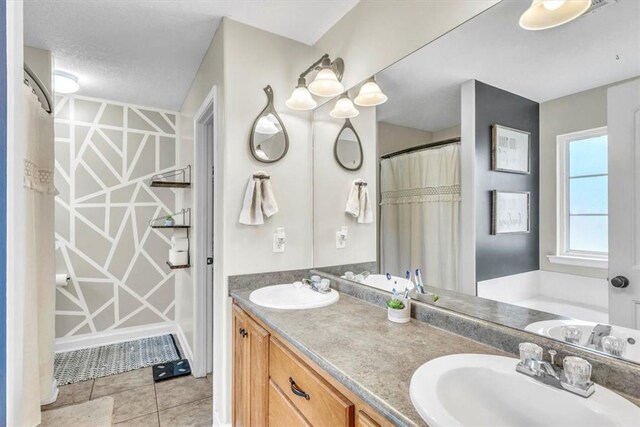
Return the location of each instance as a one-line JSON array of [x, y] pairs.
[[623, 123]]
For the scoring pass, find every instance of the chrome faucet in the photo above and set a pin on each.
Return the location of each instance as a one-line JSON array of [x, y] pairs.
[[546, 373], [364, 274], [599, 331], [314, 286]]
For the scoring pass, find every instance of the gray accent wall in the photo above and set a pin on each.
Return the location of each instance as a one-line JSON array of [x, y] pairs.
[[505, 254], [106, 152]]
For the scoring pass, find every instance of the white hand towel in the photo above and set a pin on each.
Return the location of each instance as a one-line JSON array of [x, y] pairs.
[[353, 201], [251, 213], [269, 205], [180, 244], [365, 214]]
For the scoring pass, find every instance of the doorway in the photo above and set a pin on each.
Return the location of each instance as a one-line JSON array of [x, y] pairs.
[[204, 253]]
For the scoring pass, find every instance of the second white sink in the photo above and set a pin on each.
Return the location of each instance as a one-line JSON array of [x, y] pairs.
[[288, 297], [485, 390]]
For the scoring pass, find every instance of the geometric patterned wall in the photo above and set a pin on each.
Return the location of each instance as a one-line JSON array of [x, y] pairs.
[[105, 154]]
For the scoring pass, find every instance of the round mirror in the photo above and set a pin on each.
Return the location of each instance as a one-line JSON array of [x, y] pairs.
[[347, 149], [269, 141]]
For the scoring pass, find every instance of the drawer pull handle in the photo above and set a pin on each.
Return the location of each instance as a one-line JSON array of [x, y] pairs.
[[297, 391], [243, 333]]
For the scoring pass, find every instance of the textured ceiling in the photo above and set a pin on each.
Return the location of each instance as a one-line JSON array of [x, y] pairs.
[[424, 88], [147, 52]]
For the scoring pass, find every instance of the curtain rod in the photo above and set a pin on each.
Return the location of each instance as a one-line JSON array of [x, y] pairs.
[[422, 147], [40, 85]]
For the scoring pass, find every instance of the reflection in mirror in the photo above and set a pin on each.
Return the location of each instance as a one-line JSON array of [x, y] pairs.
[[435, 176], [269, 141], [347, 149]]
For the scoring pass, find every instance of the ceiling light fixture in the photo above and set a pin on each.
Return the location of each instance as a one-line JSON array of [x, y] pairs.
[[301, 99], [344, 108], [64, 82], [370, 94], [326, 83], [544, 14]]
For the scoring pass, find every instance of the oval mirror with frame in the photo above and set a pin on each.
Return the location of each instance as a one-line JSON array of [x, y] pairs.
[[269, 141], [347, 148]]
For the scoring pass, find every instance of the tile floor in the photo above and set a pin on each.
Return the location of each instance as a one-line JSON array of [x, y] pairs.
[[138, 401]]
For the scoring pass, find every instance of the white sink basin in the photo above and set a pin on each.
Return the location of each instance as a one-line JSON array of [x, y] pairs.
[[288, 297], [484, 390], [553, 329]]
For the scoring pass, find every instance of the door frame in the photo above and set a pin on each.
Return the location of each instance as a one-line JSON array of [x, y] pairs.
[[200, 240]]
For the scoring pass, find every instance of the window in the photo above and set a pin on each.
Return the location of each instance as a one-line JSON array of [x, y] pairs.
[[583, 198]]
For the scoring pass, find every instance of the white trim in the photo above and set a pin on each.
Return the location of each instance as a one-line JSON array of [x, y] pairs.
[[186, 349], [564, 254], [579, 261], [201, 240], [467, 192], [15, 215], [217, 422], [115, 336]]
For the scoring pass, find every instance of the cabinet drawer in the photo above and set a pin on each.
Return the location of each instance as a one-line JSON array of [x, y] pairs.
[[282, 413], [364, 420], [320, 403]]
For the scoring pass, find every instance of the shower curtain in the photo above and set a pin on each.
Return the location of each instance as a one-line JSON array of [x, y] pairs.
[[39, 240], [420, 214]]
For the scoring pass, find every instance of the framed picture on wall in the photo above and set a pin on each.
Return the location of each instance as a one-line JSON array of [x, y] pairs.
[[510, 212], [510, 150]]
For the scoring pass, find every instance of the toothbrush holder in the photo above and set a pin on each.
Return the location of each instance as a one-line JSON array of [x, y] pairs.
[[400, 315]]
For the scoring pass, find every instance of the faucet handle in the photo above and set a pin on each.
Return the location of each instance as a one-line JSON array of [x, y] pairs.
[[552, 355]]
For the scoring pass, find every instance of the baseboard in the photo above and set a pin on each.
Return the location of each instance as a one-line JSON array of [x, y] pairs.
[[184, 345], [113, 337]]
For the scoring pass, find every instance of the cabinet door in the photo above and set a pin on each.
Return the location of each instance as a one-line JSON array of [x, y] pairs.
[[282, 413], [241, 376], [258, 383], [364, 420]]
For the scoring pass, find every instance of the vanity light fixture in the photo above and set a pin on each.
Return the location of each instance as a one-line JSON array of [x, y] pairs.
[[266, 125], [326, 83], [370, 94], [301, 99], [545, 14], [344, 108], [64, 82]]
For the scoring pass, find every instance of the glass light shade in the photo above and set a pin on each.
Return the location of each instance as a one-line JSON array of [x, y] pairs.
[[544, 14], [301, 99], [344, 109], [266, 126], [65, 82], [326, 84], [370, 95]]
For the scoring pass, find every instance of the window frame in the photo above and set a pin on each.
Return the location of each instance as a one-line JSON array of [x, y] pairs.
[[564, 255]]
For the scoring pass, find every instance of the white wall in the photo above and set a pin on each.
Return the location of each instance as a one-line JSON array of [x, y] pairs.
[[392, 138], [448, 133], [331, 188], [580, 111], [375, 34], [209, 74]]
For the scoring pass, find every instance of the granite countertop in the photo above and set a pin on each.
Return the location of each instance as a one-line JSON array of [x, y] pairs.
[[354, 342]]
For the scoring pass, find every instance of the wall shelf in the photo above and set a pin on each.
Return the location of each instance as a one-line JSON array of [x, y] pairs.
[[176, 267], [179, 178]]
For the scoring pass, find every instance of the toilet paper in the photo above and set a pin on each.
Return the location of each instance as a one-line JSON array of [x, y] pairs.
[[62, 279], [180, 244], [178, 257]]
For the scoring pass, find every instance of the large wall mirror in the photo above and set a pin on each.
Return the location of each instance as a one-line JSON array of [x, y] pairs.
[[569, 117]]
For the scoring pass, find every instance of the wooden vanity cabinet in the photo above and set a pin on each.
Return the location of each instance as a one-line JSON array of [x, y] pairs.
[[250, 371], [275, 385]]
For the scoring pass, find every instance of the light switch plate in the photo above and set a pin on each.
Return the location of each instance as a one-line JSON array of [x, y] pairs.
[[279, 240], [340, 242]]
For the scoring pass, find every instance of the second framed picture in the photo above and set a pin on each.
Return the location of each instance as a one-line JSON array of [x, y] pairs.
[[510, 150], [510, 212]]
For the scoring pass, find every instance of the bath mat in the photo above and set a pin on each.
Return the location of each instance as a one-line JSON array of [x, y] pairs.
[[93, 413], [86, 364]]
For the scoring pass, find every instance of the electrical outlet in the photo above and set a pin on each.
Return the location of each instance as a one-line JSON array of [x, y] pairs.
[[279, 240]]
